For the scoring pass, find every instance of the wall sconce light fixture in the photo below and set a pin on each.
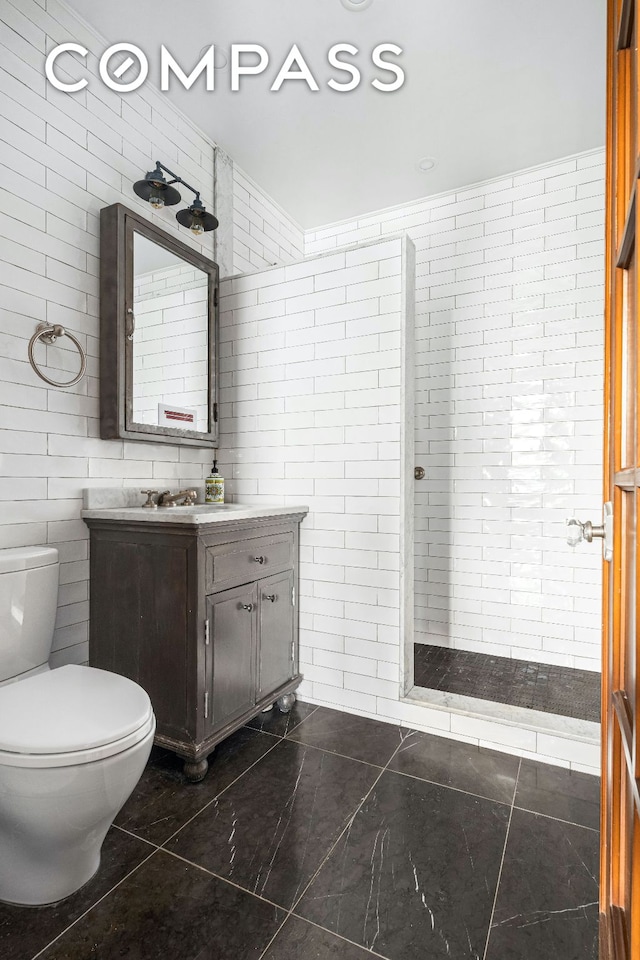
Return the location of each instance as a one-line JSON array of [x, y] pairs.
[[159, 192], [196, 218]]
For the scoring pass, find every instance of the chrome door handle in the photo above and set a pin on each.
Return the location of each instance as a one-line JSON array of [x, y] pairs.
[[132, 328], [259, 559], [270, 596]]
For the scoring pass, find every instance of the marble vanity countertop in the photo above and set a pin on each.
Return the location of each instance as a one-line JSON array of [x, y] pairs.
[[200, 513]]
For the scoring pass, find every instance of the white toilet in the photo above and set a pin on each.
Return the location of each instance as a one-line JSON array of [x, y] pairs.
[[73, 742]]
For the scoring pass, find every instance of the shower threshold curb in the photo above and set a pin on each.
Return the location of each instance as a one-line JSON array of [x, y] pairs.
[[585, 731]]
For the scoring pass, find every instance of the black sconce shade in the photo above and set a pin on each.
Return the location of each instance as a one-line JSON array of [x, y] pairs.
[[196, 218], [154, 184]]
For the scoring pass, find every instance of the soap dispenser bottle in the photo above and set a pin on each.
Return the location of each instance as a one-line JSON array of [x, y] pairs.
[[214, 486]]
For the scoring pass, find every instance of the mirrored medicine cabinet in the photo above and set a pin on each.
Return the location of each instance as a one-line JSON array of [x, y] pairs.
[[158, 334]]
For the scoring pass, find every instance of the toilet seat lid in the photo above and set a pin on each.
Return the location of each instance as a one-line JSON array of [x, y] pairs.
[[69, 709]]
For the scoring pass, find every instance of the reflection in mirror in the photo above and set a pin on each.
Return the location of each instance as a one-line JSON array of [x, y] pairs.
[[170, 340]]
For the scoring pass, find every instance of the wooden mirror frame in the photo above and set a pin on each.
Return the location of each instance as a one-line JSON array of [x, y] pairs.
[[118, 225]]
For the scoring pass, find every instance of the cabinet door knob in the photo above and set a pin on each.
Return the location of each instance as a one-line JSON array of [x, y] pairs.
[[270, 596], [246, 606], [259, 559]]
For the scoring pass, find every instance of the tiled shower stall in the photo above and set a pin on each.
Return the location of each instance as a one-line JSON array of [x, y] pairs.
[[508, 417], [506, 361]]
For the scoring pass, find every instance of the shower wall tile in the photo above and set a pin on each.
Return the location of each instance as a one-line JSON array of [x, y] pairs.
[[332, 443], [508, 416]]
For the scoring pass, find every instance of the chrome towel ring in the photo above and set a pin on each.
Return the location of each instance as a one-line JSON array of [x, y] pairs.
[[49, 333]]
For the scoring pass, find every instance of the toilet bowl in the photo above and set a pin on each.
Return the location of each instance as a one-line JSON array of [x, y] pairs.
[[73, 744]]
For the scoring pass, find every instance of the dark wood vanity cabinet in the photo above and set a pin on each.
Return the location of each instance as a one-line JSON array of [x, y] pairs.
[[203, 617]]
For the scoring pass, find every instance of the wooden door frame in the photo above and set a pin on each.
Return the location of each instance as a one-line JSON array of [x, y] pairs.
[[620, 813]]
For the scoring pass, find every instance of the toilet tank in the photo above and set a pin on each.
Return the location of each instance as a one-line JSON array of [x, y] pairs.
[[28, 603]]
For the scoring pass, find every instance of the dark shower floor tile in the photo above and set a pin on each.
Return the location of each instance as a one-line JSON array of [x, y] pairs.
[[547, 905], [24, 931], [164, 800], [349, 735], [412, 874], [270, 831], [476, 770], [416, 873], [537, 686], [171, 909], [565, 794]]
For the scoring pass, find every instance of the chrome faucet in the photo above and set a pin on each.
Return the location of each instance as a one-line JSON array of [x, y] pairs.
[[168, 499]]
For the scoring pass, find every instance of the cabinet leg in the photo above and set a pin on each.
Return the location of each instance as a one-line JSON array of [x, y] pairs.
[[195, 770], [286, 703]]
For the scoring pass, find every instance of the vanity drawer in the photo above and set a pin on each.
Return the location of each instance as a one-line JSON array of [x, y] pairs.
[[247, 560]]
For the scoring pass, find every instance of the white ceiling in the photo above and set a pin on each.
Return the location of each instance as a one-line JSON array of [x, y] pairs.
[[492, 86]]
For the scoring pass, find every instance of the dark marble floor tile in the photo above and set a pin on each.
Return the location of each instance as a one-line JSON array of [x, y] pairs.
[[415, 874], [299, 940], [486, 773], [24, 931], [547, 905], [163, 800], [270, 831], [280, 724], [565, 794], [172, 910], [349, 735]]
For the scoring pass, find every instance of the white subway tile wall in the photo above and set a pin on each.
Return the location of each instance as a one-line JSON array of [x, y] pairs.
[[63, 158], [509, 368], [263, 233]]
